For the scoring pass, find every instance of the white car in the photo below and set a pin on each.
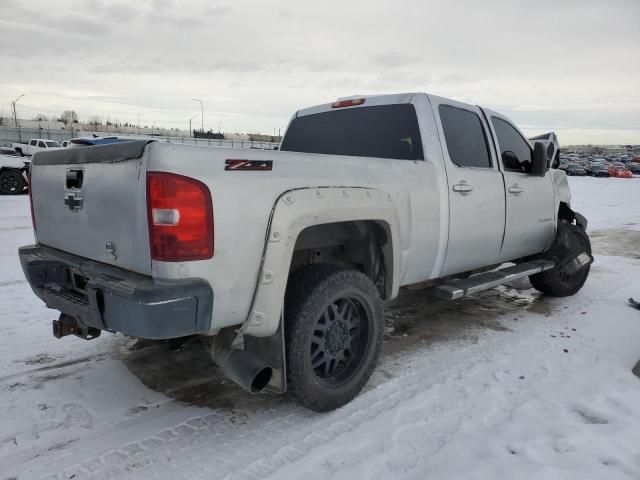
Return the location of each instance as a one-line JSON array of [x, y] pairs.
[[35, 145], [14, 172], [286, 257]]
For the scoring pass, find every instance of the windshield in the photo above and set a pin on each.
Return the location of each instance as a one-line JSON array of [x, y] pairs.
[[385, 131]]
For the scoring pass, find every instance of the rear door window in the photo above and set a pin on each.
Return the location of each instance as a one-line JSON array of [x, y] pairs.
[[465, 137], [383, 131]]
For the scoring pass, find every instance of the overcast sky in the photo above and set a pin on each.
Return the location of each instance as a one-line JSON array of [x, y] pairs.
[[572, 66]]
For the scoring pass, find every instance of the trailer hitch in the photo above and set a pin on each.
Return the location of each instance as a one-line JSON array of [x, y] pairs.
[[68, 325]]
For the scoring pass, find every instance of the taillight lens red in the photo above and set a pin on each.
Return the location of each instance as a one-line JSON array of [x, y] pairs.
[[180, 216]]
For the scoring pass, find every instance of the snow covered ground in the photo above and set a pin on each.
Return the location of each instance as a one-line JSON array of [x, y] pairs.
[[507, 384]]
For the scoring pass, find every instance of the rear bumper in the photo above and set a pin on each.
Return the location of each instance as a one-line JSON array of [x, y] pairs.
[[117, 300]]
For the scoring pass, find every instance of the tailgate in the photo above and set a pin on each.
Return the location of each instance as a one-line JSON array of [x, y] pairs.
[[91, 202]]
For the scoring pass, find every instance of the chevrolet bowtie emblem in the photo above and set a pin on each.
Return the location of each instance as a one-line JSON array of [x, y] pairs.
[[74, 203]]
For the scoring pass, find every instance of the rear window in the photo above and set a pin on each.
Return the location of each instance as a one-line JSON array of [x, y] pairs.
[[384, 131], [53, 144]]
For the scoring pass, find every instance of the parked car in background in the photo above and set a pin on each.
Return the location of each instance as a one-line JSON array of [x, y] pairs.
[[14, 172], [634, 168], [8, 152], [574, 170], [35, 145], [600, 171], [597, 170], [619, 172]]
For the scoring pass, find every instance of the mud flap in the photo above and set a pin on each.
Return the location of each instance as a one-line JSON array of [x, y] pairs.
[[271, 351]]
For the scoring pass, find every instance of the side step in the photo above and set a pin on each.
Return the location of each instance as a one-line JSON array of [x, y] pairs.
[[483, 281]]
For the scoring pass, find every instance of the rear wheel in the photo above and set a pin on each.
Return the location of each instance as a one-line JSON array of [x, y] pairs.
[[11, 182], [333, 331], [559, 283]]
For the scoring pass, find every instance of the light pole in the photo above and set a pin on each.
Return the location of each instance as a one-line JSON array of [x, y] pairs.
[[190, 130], [139, 123], [201, 110], [15, 116]]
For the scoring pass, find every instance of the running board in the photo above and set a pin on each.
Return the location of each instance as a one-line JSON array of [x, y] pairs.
[[483, 281]]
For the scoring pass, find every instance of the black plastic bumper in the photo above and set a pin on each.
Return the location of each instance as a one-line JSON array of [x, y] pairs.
[[110, 298]]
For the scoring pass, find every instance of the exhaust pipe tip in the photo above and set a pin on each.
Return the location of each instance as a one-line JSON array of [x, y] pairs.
[[243, 368], [261, 379]]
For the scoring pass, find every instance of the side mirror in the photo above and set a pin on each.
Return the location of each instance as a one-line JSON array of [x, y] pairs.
[[510, 160], [539, 159]]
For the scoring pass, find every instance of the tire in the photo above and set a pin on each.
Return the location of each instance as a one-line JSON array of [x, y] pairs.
[[11, 182], [333, 334], [557, 284]]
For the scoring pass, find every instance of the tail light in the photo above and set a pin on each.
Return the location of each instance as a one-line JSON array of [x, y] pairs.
[[180, 216], [348, 103]]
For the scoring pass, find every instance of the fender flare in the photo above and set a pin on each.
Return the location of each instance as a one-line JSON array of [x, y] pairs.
[[298, 209]]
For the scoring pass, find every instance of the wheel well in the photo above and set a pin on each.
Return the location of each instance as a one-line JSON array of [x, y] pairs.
[[565, 213], [364, 245]]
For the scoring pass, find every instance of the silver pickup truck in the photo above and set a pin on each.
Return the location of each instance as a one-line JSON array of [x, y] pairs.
[[286, 257]]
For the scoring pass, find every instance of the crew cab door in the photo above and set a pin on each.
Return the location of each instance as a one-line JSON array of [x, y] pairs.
[[531, 216], [475, 187]]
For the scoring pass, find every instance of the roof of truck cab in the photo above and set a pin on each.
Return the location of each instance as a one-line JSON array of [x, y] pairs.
[[370, 100]]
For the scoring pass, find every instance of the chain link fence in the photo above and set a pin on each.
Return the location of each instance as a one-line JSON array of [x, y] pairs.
[[9, 135]]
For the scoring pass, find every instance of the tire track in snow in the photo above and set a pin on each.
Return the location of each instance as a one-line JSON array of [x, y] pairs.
[[305, 431]]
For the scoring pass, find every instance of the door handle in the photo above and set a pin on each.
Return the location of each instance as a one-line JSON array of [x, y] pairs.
[[515, 189], [463, 187]]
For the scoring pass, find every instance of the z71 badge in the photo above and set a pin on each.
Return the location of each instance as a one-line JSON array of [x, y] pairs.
[[248, 165]]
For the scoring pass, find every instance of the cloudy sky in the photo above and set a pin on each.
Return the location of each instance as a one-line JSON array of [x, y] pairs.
[[572, 66]]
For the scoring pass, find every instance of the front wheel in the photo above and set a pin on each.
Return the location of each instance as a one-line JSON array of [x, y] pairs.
[[333, 332], [558, 283], [11, 182]]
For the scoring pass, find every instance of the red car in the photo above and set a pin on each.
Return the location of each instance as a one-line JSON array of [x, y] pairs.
[[619, 172], [635, 159]]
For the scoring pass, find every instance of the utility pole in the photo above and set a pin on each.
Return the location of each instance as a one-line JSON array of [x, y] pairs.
[[201, 112], [190, 130], [15, 116]]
